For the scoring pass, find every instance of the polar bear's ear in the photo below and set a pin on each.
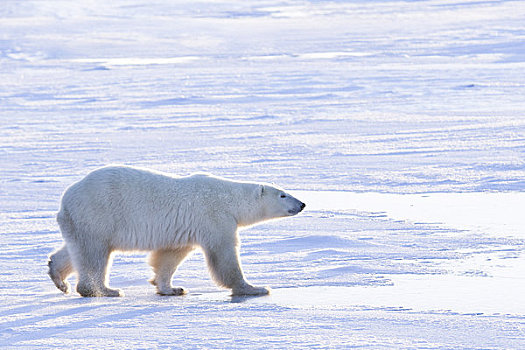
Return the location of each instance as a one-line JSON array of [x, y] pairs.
[[261, 190]]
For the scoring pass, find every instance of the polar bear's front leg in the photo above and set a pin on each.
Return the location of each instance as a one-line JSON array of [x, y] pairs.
[[224, 264]]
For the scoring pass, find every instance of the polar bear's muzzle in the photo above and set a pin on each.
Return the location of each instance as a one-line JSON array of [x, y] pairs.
[[297, 209]]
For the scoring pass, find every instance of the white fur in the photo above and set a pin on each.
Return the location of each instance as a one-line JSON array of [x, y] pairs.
[[120, 208]]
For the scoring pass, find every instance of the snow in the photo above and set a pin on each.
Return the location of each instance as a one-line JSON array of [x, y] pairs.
[[399, 123]]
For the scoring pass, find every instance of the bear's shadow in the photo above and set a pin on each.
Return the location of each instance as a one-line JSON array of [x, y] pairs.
[[237, 299]]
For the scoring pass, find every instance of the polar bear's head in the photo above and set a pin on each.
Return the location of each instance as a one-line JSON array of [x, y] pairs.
[[276, 203]]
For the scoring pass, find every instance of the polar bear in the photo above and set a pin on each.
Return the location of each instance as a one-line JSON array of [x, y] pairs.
[[121, 208]]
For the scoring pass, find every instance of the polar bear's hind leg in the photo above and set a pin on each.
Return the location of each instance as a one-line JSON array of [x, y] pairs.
[[92, 265], [60, 267], [165, 263]]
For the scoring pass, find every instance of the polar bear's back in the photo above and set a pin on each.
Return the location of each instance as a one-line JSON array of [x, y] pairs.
[[118, 186]]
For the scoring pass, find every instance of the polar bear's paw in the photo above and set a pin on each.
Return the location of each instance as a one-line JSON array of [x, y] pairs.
[[98, 292], [59, 282], [172, 291], [250, 290], [58, 275]]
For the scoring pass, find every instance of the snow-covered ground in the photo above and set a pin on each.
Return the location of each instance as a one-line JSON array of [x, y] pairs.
[[401, 124]]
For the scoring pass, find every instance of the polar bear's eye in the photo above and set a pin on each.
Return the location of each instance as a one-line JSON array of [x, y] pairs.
[[283, 196]]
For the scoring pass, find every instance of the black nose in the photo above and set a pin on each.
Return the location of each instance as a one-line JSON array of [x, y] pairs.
[[302, 206]]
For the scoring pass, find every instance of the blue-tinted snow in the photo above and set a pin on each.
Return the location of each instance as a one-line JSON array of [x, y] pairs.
[[415, 108]]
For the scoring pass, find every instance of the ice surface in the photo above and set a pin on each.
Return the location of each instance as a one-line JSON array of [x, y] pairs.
[[499, 213], [400, 124]]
